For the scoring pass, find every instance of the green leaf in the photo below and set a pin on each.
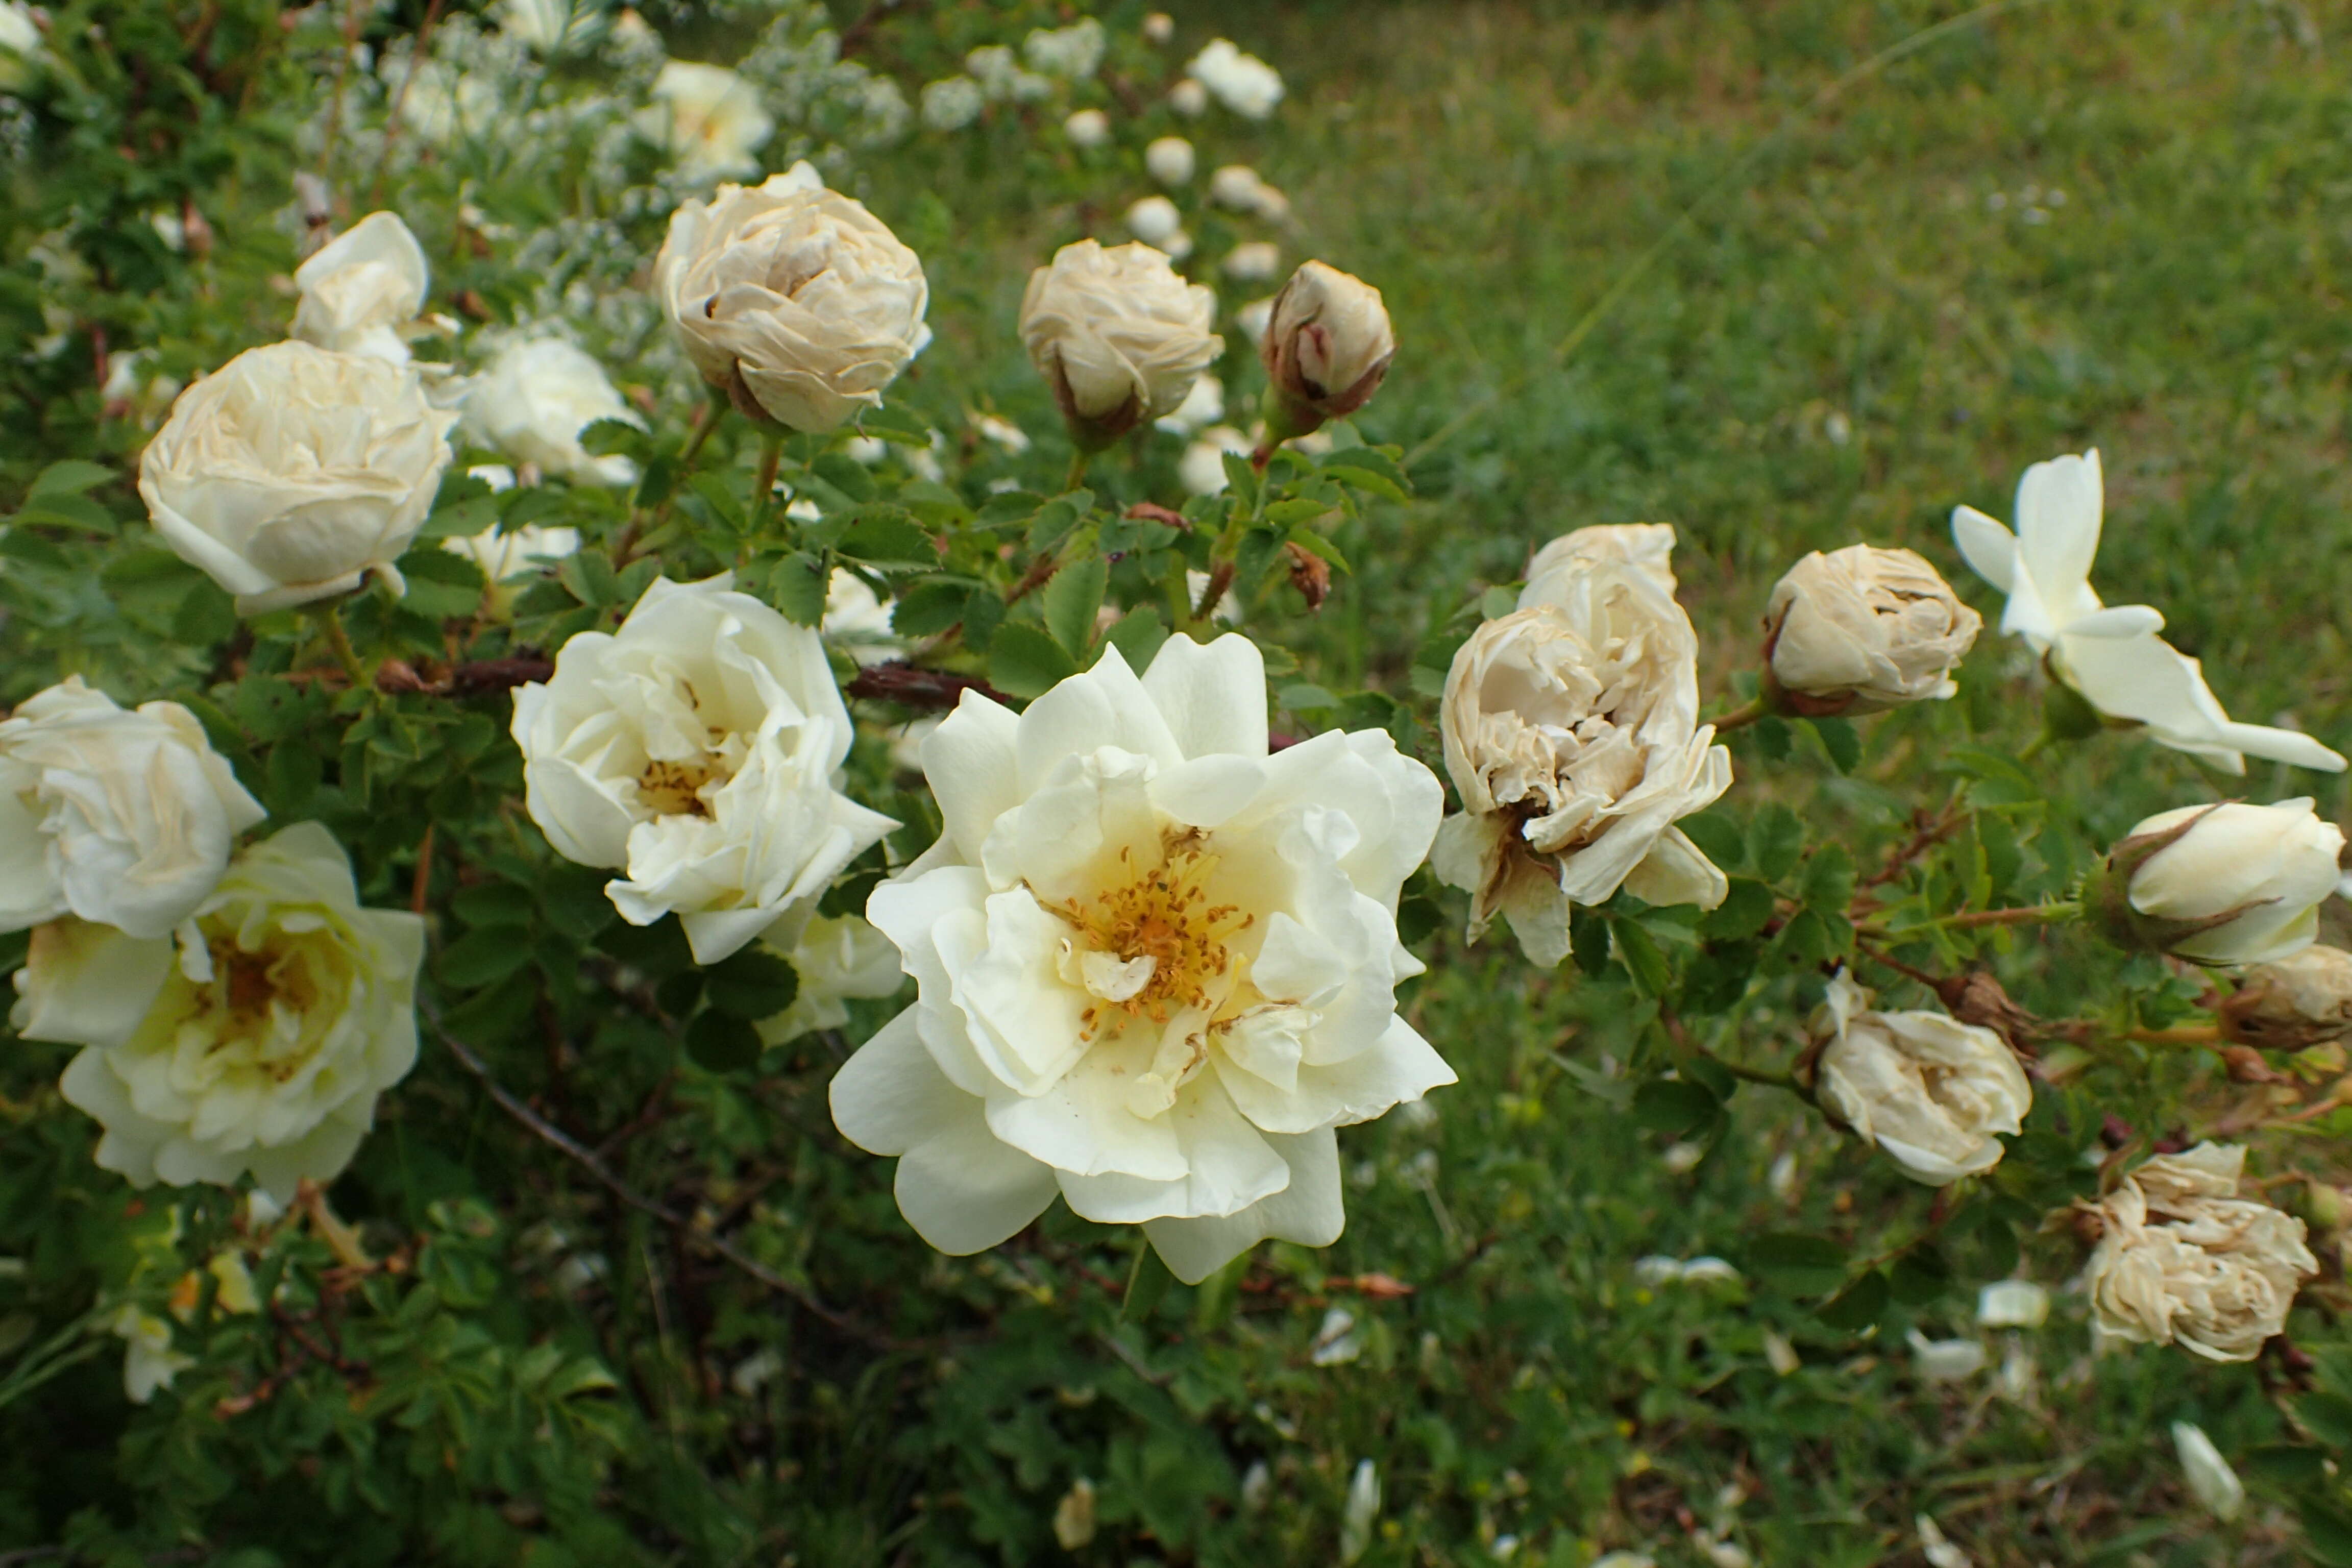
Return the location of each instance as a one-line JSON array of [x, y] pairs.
[[1796, 1262], [1674, 1105], [1638, 952], [846, 474], [1055, 518], [722, 1043], [1859, 1305], [797, 586], [889, 536], [443, 585], [495, 904], [67, 477], [2287, 1464], [1138, 635], [1920, 1277], [1071, 601], [1745, 911], [1829, 880], [2328, 1417], [1775, 839], [1718, 838], [927, 609], [480, 957], [1024, 662], [1841, 741], [751, 983]]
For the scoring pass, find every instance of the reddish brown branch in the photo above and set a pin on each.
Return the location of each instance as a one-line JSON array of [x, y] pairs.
[[900, 682]]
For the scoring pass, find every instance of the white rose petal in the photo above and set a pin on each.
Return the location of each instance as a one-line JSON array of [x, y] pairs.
[[501, 554], [1122, 819], [1203, 406], [694, 749], [120, 817], [292, 472], [2013, 1304], [2113, 656], [362, 288], [1946, 1361], [1933, 1093], [2210, 1480], [1572, 732], [148, 1361], [1202, 469], [254, 1041], [536, 398], [796, 302], [1935, 1547], [836, 957], [1362, 1512], [2294, 1003]]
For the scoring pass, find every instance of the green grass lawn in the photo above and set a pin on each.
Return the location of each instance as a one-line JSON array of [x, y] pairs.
[[2113, 224]]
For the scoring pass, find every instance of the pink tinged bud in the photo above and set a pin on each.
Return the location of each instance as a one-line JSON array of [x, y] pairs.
[[1326, 349]]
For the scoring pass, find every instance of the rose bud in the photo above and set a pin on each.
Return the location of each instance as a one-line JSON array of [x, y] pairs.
[[2219, 884], [1325, 350], [2292, 1002], [1118, 335], [1862, 629]]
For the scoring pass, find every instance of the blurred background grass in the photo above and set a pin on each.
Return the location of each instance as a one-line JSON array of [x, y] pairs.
[[2117, 224]]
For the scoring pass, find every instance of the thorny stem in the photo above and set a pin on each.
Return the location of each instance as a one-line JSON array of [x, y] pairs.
[[2186, 1035], [329, 620], [2033, 748], [2028, 915]]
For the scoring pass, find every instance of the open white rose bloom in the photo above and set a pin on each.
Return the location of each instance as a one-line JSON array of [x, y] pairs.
[[362, 288], [1572, 732], [797, 301], [125, 817], [2183, 1259], [707, 119], [536, 398], [2111, 656], [292, 472], [1933, 1093], [696, 748], [1861, 629], [1157, 964], [254, 1039]]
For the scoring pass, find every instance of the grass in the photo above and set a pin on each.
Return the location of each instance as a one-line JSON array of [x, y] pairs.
[[2078, 224]]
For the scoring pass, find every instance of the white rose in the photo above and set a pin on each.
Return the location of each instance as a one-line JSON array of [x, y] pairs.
[[1326, 349], [1155, 220], [1243, 83], [292, 472], [1156, 964], [695, 748], [2221, 884], [797, 301], [1088, 128], [952, 103], [2013, 1304], [1554, 570], [1073, 53], [2210, 1480], [707, 119], [124, 818], [2110, 654], [1932, 1092], [836, 957], [1240, 187], [1188, 98], [2292, 1002], [362, 288], [1118, 335], [255, 1039], [1863, 629], [1169, 160], [501, 554], [2183, 1259], [1254, 262], [536, 398], [1571, 734]]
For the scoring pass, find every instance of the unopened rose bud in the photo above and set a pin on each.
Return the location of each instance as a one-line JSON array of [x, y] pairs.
[[2293, 1004], [1325, 350], [1863, 629], [1118, 335], [2219, 884]]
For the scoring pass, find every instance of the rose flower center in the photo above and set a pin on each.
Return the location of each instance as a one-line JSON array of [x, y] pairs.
[[1152, 943]]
